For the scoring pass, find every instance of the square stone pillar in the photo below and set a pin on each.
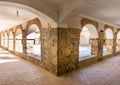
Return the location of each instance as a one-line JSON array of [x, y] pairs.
[[94, 46], [100, 45], [114, 43], [24, 41], [14, 42], [49, 49], [3, 41], [60, 49], [68, 49], [8, 41]]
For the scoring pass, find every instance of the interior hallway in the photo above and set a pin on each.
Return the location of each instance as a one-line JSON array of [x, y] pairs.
[[16, 71]]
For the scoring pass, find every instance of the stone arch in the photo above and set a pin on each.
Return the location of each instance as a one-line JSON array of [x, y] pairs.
[[92, 27], [86, 21], [35, 21], [34, 42], [18, 39], [108, 40], [94, 24], [108, 26], [11, 35]]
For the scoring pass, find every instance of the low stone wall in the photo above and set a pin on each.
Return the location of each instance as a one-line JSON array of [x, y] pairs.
[[88, 61], [94, 46]]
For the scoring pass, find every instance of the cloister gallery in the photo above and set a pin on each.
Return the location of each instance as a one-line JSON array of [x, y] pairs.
[[59, 37]]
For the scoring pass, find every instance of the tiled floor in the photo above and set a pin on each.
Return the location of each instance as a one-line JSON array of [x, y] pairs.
[[16, 71]]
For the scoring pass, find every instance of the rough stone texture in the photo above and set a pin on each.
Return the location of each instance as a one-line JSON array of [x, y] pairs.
[[24, 41], [108, 26], [68, 50], [109, 45], [100, 45], [94, 46], [114, 43], [49, 45], [85, 21], [7, 41], [13, 41]]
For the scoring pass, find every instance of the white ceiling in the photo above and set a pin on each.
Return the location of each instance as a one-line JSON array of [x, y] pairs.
[[107, 11], [9, 18]]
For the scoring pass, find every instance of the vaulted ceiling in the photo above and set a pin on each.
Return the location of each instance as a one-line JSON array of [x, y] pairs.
[[107, 11]]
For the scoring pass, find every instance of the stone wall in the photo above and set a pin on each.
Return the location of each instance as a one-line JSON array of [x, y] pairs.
[[100, 45], [68, 50], [49, 43], [114, 43]]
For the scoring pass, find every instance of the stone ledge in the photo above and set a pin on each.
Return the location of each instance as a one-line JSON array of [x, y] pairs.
[[88, 61]]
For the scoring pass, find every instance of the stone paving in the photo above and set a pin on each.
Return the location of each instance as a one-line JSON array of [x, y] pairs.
[[16, 71]]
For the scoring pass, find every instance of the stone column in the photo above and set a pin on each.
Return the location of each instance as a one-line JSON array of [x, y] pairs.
[[49, 49], [14, 41], [8, 41], [68, 49], [100, 45], [3, 40], [0, 40], [24, 41], [94, 46], [114, 43]]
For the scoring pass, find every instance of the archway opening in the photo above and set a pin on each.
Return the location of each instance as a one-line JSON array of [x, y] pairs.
[[108, 42], [118, 42], [34, 41], [18, 41], [2, 39], [6, 40], [88, 45], [11, 41]]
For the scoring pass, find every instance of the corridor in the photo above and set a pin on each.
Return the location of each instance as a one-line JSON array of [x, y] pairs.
[[16, 71]]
